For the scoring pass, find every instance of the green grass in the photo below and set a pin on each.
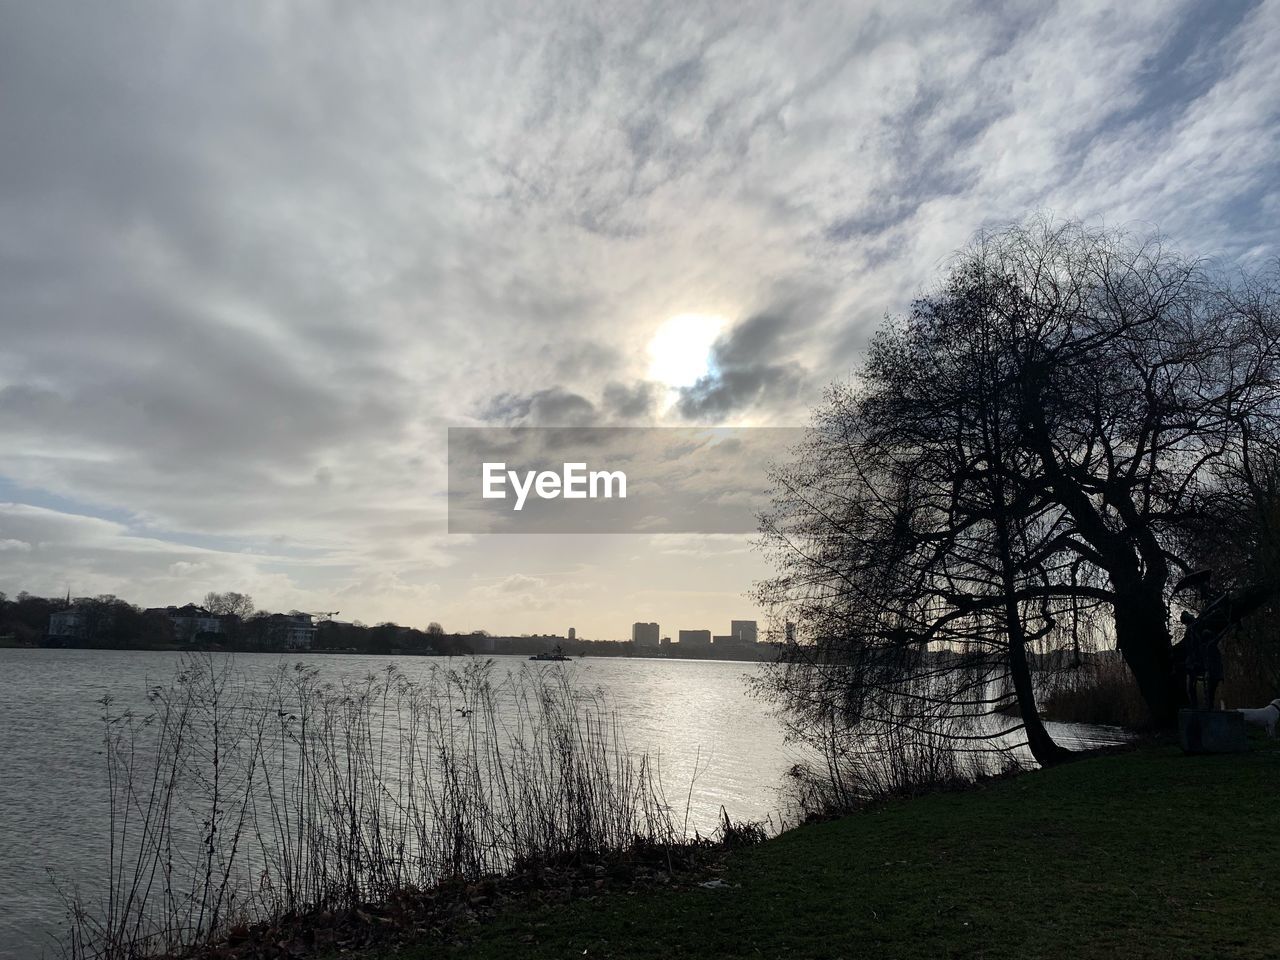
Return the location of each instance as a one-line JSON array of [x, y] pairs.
[[1143, 854]]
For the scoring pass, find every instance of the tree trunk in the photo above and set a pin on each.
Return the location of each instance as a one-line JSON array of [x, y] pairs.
[[1043, 747], [1141, 618], [1046, 751], [1142, 634]]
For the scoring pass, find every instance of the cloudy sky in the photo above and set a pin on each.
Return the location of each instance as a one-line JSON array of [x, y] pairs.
[[256, 258]]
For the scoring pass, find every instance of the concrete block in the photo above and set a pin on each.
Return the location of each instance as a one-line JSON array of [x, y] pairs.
[[1212, 731]]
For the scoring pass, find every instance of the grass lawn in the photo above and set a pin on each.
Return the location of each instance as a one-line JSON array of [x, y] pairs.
[[1143, 854]]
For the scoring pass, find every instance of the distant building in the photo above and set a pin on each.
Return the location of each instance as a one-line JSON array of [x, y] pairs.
[[69, 624], [695, 638], [284, 631], [723, 641], [644, 634], [744, 631], [291, 631], [573, 634], [190, 621]]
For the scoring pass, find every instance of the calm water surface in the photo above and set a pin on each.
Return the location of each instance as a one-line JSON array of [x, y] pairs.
[[693, 716]]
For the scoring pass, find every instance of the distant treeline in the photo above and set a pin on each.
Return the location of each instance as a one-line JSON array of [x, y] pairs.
[[113, 623], [24, 621]]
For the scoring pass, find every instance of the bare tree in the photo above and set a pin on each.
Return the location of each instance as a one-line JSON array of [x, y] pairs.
[[916, 540], [1237, 536], [1010, 468], [1150, 370], [229, 604]]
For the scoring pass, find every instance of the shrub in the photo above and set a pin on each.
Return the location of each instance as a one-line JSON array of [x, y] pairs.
[[233, 802]]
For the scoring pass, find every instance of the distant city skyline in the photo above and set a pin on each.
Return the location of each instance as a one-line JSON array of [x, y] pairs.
[[192, 617]]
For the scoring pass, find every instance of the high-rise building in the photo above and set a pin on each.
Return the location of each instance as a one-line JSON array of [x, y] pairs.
[[644, 634], [744, 631], [573, 634]]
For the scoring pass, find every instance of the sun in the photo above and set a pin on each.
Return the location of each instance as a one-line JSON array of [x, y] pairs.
[[680, 351]]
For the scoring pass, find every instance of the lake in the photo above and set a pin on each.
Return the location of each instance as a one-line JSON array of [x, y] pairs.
[[715, 744]]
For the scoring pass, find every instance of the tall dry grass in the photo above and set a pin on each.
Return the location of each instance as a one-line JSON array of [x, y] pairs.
[[1101, 691], [233, 802], [859, 766]]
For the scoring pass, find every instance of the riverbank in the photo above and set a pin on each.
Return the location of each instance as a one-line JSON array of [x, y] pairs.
[[1147, 853]]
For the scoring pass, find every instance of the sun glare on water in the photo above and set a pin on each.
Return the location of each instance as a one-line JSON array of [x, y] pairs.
[[680, 352]]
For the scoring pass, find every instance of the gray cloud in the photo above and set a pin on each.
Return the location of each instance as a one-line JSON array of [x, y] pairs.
[[553, 407], [559, 407], [750, 367], [637, 401], [736, 389]]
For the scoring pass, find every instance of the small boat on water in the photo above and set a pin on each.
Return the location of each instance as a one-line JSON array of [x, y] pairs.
[[556, 655]]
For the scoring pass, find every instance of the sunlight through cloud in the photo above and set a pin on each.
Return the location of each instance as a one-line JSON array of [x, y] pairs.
[[680, 351]]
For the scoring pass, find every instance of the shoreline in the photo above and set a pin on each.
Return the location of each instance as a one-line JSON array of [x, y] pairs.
[[409, 654], [1009, 866]]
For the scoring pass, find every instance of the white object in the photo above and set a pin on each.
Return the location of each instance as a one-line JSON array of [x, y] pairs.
[[1265, 717]]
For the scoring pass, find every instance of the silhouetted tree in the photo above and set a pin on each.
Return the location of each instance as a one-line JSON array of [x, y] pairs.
[[154, 629], [1237, 536], [383, 638], [229, 604], [1012, 465], [925, 568], [26, 616]]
